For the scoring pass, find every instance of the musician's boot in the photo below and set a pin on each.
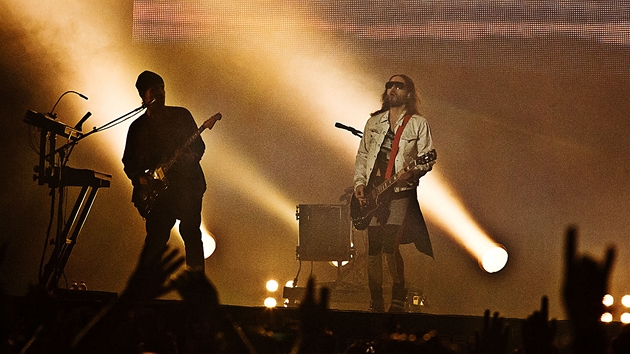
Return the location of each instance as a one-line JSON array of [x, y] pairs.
[[399, 293], [399, 297], [375, 282]]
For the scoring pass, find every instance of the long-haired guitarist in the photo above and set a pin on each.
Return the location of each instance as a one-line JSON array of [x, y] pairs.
[[152, 140], [394, 138]]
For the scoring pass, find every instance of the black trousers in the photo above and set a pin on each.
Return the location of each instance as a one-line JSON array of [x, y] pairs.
[[185, 207]]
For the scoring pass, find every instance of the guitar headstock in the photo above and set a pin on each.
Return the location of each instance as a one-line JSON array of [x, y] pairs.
[[209, 123], [427, 157]]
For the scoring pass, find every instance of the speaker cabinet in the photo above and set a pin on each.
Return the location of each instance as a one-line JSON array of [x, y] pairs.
[[324, 232]]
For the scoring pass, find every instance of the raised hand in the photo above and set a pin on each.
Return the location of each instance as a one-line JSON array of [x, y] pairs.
[[538, 332], [149, 280], [197, 291], [108, 331], [313, 337], [493, 337], [312, 312], [585, 284]]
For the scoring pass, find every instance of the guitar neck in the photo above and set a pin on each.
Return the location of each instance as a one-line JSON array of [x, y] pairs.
[[169, 163], [424, 159], [393, 179]]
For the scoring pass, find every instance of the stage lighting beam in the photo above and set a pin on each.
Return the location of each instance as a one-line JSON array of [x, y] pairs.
[[441, 205]]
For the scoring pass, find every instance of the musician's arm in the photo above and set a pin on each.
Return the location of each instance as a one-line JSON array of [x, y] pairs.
[[424, 145], [132, 158], [360, 163], [360, 174], [195, 150], [183, 127], [130, 155]]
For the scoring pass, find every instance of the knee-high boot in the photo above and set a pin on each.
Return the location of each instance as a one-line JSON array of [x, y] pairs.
[[375, 282]]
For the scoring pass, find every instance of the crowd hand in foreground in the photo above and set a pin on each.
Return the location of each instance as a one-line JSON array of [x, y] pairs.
[[493, 337], [314, 336], [585, 284], [538, 332], [201, 309], [198, 293], [148, 281]]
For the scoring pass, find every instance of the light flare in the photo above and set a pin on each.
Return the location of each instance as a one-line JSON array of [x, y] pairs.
[[272, 285], [207, 238], [270, 302], [337, 93], [494, 259], [93, 60], [441, 205]]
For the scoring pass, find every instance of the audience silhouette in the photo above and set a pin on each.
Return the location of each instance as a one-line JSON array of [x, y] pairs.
[[38, 323]]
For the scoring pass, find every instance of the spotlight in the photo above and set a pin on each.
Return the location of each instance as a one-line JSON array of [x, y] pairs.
[[272, 285], [607, 317], [625, 300], [209, 244], [625, 318], [608, 300], [494, 259], [270, 302]]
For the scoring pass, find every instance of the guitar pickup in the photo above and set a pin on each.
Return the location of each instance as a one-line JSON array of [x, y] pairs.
[[158, 174]]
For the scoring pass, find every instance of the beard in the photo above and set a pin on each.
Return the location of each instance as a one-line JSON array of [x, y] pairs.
[[395, 100]]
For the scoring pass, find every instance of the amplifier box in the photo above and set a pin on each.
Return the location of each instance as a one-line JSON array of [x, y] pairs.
[[325, 231]]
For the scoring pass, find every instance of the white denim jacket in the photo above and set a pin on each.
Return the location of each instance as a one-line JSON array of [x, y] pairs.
[[415, 141]]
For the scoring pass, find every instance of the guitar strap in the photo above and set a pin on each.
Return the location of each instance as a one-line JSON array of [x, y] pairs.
[[392, 155]]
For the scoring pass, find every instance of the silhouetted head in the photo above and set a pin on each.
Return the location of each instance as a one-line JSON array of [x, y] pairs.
[[146, 80]]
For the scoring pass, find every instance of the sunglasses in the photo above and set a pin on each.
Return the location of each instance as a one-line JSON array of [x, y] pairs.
[[398, 85]]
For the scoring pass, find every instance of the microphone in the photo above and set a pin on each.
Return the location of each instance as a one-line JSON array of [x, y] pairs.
[[148, 104], [79, 125], [81, 95], [59, 99], [350, 129]]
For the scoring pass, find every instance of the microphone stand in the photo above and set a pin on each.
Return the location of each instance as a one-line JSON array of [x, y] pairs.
[[103, 127]]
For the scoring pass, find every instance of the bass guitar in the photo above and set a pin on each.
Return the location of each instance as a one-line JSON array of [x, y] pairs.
[[154, 182], [362, 213]]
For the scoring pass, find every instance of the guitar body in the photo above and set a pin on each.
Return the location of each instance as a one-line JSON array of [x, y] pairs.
[[362, 215], [378, 198], [146, 194]]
